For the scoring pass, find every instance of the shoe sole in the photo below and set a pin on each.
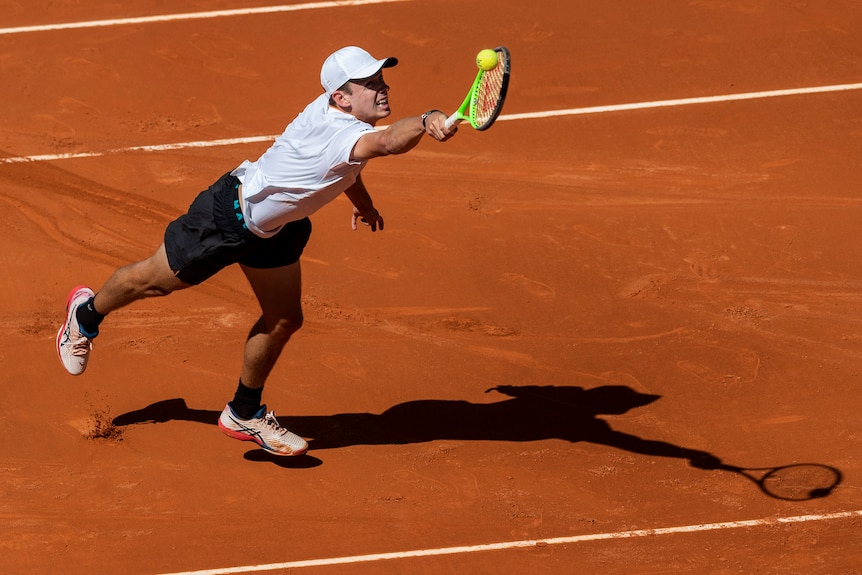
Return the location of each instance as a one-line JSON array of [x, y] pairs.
[[71, 297]]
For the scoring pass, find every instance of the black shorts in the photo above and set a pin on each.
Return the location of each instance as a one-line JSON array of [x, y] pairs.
[[212, 235]]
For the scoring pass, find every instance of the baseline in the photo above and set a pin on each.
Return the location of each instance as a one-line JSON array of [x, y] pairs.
[[526, 543]]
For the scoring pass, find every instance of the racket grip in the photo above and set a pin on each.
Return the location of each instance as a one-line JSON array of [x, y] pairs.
[[452, 120]]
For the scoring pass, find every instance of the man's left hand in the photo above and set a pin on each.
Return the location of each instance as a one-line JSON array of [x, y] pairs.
[[370, 217]]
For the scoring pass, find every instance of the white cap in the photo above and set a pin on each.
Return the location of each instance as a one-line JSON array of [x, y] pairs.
[[350, 63]]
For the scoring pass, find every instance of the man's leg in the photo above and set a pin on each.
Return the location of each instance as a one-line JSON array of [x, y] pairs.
[[85, 311], [279, 293], [147, 278]]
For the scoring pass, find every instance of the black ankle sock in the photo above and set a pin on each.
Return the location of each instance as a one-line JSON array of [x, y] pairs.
[[88, 318], [246, 401]]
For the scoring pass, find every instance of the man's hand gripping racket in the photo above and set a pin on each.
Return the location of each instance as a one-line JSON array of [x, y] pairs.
[[484, 101]]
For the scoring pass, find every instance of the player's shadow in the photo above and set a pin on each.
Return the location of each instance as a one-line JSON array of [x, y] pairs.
[[527, 413]]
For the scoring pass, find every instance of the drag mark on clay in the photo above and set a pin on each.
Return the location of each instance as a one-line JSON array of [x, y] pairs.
[[47, 225], [737, 366], [645, 286], [348, 366], [421, 480], [515, 357], [531, 286], [629, 339], [424, 310]]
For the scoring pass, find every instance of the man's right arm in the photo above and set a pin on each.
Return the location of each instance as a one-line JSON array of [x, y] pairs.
[[402, 136]]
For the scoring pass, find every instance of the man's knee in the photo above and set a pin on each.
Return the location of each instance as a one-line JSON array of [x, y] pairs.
[[150, 279], [293, 323], [284, 325]]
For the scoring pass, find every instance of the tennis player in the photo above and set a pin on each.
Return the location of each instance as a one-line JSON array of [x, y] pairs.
[[257, 215]]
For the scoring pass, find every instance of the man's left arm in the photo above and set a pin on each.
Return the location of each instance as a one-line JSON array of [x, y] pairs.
[[363, 207]]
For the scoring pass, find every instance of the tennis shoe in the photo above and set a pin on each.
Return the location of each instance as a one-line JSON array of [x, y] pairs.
[[264, 430], [74, 347]]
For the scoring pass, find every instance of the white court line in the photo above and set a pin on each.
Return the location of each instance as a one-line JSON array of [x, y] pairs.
[[522, 544], [686, 101], [153, 148], [194, 16], [526, 116]]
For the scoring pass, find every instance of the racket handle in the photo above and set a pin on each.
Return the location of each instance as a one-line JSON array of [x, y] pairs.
[[452, 120]]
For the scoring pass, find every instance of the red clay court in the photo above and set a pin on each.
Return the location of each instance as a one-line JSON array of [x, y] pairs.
[[574, 333]]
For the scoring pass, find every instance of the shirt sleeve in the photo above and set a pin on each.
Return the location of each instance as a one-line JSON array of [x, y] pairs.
[[343, 143]]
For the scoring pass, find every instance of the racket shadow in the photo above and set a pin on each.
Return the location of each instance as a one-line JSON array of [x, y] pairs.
[[525, 413], [793, 482]]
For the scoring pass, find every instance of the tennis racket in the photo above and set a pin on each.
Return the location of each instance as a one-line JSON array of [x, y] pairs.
[[485, 99]]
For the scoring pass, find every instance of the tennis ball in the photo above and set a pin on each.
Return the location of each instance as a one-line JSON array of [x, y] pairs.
[[486, 59]]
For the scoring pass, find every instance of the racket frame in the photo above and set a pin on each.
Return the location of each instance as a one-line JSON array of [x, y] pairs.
[[467, 110]]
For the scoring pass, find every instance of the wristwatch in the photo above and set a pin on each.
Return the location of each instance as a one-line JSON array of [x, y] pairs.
[[426, 114]]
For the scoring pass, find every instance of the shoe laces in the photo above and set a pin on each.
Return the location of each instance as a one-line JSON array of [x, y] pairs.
[[79, 343], [270, 421]]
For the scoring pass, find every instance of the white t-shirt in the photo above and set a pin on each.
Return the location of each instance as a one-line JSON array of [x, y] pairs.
[[307, 167]]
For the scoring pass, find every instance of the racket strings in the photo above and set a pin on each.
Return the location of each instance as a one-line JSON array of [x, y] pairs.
[[487, 98]]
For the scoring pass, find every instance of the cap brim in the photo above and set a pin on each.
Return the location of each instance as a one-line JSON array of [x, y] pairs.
[[370, 70]]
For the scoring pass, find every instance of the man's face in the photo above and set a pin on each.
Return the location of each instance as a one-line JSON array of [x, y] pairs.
[[370, 98]]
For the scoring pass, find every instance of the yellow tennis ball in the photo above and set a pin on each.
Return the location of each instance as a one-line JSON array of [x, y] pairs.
[[486, 59]]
